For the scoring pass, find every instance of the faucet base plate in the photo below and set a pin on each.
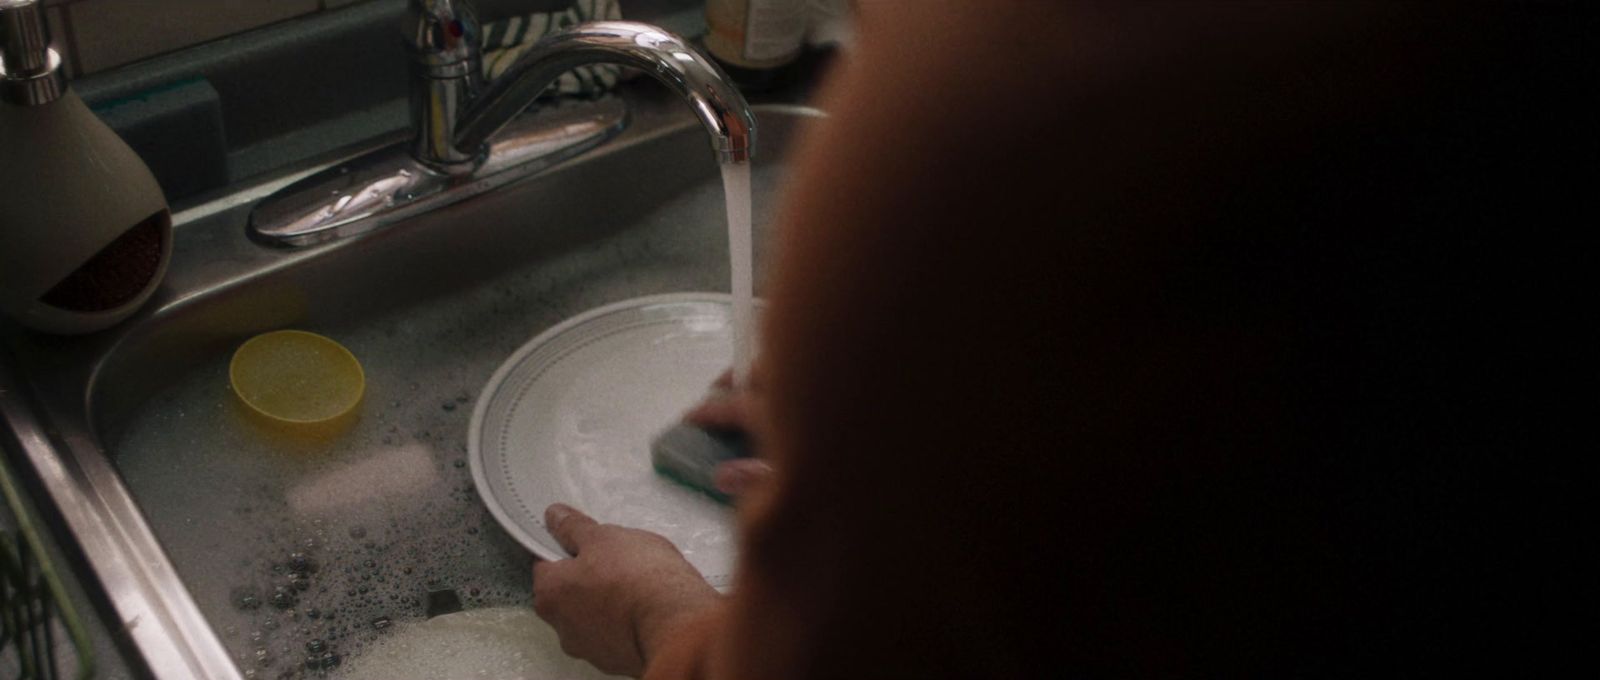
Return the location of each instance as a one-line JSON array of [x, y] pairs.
[[390, 185]]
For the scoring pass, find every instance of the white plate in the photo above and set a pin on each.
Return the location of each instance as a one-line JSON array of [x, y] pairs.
[[570, 416]]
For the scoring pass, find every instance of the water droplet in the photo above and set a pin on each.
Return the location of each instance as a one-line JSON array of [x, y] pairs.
[[316, 646], [448, 406], [358, 532], [381, 623]]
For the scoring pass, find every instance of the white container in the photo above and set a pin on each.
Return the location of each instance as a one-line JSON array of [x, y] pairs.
[[756, 34]]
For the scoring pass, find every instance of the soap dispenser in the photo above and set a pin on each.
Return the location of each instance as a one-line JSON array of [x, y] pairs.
[[85, 232]]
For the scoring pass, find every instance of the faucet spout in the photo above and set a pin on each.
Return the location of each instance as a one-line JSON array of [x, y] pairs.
[[714, 100], [468, 138]]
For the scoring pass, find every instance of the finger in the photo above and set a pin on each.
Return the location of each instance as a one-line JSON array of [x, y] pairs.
[[753, 377], [725, 413], [543, 575], [739, 477], [541, 571], [570, 527]]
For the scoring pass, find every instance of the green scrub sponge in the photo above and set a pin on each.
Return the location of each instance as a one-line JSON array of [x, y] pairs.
[[690, 455]]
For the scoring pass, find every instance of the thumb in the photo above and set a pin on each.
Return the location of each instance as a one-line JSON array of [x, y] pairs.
[[741, 476], [570, 527]]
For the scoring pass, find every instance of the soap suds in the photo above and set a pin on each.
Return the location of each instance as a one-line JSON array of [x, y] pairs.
[[303, 558]]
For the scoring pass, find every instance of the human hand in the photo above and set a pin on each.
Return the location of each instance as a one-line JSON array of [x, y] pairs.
[[727, 408], [623, 590]]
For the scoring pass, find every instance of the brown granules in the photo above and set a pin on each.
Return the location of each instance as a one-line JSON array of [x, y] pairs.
[[116, 274]]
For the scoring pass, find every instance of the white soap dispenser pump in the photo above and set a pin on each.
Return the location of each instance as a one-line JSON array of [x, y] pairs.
[[85, 232]]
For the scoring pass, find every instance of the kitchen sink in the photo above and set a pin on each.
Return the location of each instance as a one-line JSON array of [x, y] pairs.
[[223, 550]]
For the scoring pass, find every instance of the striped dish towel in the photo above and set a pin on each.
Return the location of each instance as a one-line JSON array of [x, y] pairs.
[[504, 41]]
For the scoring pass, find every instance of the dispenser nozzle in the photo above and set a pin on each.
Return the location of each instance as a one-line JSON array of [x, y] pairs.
[[30, 70]]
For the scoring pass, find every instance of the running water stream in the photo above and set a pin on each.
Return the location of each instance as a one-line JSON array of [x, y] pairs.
[[736, 188]]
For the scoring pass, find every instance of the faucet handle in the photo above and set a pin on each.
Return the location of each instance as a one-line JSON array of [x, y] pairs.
[[444, 34], [30, 71], [446, 75]]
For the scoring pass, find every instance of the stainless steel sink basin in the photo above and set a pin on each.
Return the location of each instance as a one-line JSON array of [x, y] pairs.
[[224, 552]]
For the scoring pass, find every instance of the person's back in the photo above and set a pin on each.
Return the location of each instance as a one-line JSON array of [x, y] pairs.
[[1176, 339]]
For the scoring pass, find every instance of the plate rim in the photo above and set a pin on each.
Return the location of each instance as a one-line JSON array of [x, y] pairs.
[[480, 408]]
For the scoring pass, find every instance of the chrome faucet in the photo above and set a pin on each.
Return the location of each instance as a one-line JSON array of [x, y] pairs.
[[468, 137]]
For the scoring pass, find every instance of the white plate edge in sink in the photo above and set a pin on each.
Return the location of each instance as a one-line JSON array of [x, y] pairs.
[[638, 497]]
